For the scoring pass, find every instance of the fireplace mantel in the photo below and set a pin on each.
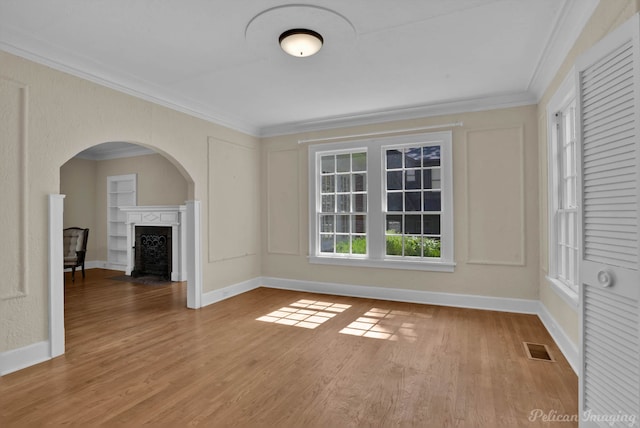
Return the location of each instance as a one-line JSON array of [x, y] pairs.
[[159, 215]]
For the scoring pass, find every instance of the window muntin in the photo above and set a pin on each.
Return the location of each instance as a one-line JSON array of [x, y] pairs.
[[412, 200], [421, 178], [343, 203]]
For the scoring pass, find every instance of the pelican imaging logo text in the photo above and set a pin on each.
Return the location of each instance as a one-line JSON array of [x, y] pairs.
[[590, 416]]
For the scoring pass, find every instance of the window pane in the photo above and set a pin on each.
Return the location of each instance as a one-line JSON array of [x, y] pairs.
[[412, 224], [575, 266], [326, 223], [342, 244], [326, 243], [568, 158], [343, 183], [328, 164], [431, 156], [394, 245], [431, 247], [359, 224], [431, 179], [412, 179], [328, 203], [413, 246], [394, 159], [394, 201], [359, 161], [359, 182], [342, 223], [412, 201], [360, 203], [570, 193], [328, 184], [431, 201], [431, 224], [359, 245], [564, 229], [394, 224], [571, 230], [412, 157], [344, 203], [343, 163], [394, 180]]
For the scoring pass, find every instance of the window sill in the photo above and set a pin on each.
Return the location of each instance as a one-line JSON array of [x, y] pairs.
[[434, 266], [568, 295]]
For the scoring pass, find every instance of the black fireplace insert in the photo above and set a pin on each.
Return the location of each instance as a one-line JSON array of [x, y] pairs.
[[152, 252]]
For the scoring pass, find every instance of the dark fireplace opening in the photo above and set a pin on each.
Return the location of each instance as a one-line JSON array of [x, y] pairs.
[[152, 252]]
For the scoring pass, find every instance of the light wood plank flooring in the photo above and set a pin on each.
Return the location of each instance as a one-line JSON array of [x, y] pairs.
[[136, 355]]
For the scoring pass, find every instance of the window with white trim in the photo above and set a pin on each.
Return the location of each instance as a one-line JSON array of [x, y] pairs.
[[385, 202], [413, 200], [342, 212], [563, 194]]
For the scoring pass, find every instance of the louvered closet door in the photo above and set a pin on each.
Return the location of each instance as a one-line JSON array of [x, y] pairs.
[[608, 107]]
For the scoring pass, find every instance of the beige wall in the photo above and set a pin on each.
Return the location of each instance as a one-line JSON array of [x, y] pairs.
[[495, 192], [78, 184], [84, 182], [47, 117], [608, 15]]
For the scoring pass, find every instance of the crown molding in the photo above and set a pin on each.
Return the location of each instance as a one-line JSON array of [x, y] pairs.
[[99, 74], [566, 29], [403, 113], [143, 90], [568, 26]]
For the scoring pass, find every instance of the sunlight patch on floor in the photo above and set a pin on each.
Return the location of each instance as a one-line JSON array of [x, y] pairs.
[[385, 324], [305, 313]]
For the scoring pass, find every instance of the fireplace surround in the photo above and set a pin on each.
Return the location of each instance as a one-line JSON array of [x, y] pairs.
[[157, 217]]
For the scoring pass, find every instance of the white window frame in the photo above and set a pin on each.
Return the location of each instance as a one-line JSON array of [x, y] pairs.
[[376, 241], [564, 96]]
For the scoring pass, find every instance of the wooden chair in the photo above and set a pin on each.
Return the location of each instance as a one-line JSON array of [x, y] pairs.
[[75, 249]]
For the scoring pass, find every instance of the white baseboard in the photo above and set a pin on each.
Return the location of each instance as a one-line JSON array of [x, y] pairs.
[[18, 359], [21, 358], [566, 345], [230, 291], [502, 304]]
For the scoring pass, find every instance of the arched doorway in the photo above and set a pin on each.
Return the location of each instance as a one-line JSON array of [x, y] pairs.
[[193, 265]]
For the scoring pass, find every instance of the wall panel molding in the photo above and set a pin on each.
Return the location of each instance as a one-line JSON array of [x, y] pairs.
[[233, 200], [14, 115], [495, 188], [282, 202]]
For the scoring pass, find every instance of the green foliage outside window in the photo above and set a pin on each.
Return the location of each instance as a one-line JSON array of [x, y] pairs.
[[358, 246], [412, 246]]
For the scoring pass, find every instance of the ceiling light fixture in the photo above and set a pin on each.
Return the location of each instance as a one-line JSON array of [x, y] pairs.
[[300, 42]]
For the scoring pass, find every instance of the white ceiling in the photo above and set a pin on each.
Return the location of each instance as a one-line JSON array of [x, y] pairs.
[[382, 60]]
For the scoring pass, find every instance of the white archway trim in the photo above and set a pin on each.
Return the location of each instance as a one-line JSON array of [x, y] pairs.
[[56, 276], [56, 271], [194, 256]]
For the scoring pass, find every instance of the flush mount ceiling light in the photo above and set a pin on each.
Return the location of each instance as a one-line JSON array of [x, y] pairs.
[[300, 42]]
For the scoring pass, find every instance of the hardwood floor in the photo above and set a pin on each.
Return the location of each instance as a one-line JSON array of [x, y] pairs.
[[136, 355]]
